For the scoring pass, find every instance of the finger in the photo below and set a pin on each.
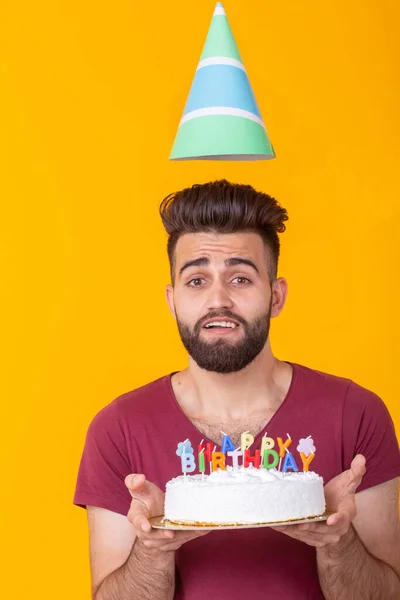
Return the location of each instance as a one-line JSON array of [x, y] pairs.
[[320, 527], [161, 544], [155, 543], [317, 539], [180, 538], [304, 527], [334, 519], [191, 535], [168, 534], [138, 508], [163, 534], [340, 520], [347, 507], [141, 524], [338, 529], [138, 515], [155, 535]]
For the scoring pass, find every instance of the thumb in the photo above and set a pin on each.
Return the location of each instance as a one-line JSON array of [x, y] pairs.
[[357, 471], [135, 482]]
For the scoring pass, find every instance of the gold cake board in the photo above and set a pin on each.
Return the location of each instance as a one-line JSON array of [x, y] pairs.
[[162, 523]]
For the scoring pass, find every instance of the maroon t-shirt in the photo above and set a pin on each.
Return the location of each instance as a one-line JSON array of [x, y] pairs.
[[139, 431]]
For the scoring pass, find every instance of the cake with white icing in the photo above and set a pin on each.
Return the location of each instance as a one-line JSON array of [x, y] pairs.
[[244, 496]]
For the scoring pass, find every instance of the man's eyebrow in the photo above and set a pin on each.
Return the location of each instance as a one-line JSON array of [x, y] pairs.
[[202, 261], [232, 262]]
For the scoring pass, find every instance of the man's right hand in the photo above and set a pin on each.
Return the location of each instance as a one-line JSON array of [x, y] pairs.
[[147, 502]]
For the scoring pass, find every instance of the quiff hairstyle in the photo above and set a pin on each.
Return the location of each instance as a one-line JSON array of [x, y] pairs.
[[223, 207]]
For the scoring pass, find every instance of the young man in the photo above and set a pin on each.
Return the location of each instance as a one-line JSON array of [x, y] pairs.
[[223, 248]]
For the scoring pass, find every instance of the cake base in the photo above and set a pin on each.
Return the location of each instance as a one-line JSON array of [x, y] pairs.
[[162, 523]]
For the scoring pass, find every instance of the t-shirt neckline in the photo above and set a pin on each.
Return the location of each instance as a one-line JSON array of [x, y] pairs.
[[260, 434]]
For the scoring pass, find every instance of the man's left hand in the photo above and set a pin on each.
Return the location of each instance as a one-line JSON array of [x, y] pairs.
[[340, 499]]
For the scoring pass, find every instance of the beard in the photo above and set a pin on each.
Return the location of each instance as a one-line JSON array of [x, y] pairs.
[[222, 356]]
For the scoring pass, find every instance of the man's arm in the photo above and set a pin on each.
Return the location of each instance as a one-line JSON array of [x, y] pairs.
[[129, 559], [121, 566], [365, 563], [358, 553]]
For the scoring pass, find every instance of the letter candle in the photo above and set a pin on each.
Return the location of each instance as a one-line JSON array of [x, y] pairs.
[[306, 449], [246, 440], [235, 455], [218, 460], [282, 448], [200, 457], [187, 458], [267, 443], [211, 459], [202, 463], [227, 444], [289, 462], [275, 458], [184, 457], [255, 460], [209, 451], [306, 460]]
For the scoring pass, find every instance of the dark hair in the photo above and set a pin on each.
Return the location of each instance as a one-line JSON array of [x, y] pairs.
[[223, 207]]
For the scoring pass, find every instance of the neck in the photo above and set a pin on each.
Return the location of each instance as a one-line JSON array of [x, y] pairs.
[[262, 385]]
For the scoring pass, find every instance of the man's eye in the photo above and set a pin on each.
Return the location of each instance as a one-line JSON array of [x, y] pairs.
[[196, 282], [241, 280]]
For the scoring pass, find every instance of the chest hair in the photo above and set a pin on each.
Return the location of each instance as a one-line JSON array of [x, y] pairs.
[[212, 430]]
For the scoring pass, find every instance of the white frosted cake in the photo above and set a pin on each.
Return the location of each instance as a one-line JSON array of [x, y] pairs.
[[244, 496]]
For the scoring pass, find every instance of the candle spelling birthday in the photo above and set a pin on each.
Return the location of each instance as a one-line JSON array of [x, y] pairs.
[[265, 457]]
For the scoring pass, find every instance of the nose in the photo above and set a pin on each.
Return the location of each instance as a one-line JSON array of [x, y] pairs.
[[218, 296]]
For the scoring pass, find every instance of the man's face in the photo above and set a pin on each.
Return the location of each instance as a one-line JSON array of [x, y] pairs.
[[223, 299]]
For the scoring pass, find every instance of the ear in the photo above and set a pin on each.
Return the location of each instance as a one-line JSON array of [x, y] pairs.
[[279, 294], [169, 294]]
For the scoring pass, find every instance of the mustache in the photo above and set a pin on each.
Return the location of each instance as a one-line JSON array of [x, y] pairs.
[[218, 315]]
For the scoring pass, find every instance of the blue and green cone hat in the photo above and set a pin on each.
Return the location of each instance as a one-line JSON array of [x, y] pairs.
[[221, 120]]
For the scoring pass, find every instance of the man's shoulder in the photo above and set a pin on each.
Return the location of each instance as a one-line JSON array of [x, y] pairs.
[[153, 391], [148, 399], [315, 377], [335, 386]]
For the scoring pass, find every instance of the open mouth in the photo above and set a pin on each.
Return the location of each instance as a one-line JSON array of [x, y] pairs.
[[221, 325]]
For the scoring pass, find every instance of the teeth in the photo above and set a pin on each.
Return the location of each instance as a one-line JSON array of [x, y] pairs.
[[221, 324]]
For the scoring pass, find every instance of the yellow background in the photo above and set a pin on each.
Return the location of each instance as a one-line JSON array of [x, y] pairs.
[[92, 92]]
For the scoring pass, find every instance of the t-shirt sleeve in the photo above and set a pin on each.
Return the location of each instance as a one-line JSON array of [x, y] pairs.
[[104, 464], [368, 429]]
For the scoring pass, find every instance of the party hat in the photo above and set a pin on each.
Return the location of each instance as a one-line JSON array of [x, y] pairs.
[[221, 120]]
